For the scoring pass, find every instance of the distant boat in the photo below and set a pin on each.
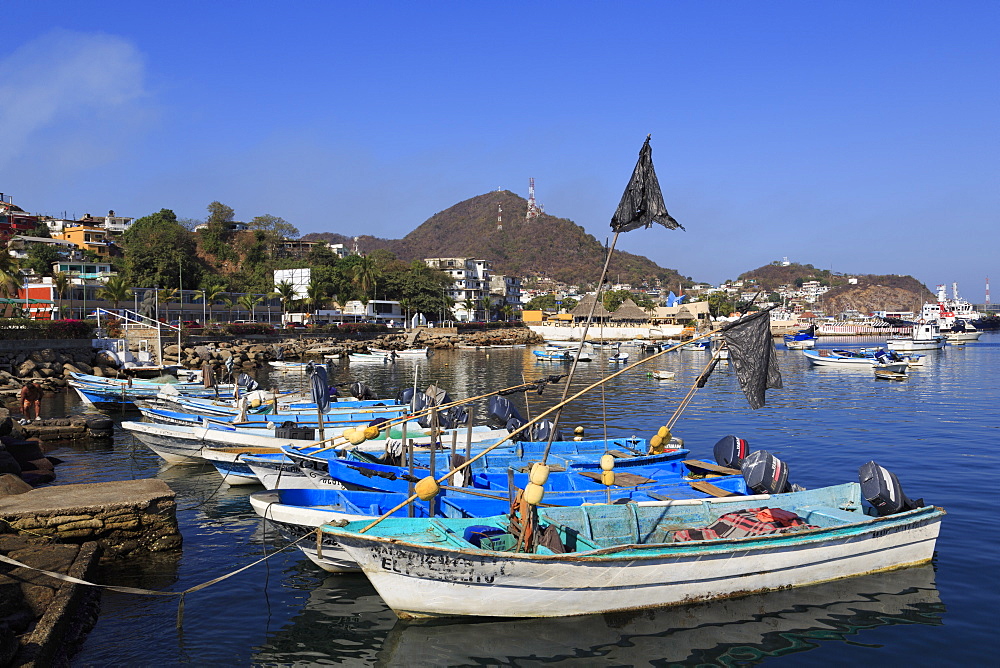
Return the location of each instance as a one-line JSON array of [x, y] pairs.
[[801, 340], [925, 336]]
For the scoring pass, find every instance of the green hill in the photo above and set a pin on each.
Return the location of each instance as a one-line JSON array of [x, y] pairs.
[[547, 246]]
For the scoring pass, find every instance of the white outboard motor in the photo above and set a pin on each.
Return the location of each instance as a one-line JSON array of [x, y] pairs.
[[881, 488], [765, 474], [730, 452]]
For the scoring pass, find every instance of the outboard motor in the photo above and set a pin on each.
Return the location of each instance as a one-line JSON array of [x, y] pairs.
[[500, 411], [404, 396], [765, 474], [540, 431], [730, 452], [361, 391], [881, 488]]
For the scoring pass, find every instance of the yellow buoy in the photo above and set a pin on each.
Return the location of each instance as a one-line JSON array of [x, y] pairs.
[[578, 438], [607, 463], [664, 433], [607, 478], [357, 437], [347, 433], [539, 473], [656, 441], [578, 431], [371, 432], [427, 488], [533, 493], [255, 402]]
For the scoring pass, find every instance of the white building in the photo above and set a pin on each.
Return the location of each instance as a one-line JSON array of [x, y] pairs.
[[506, 291], [376, 310], [299, 278], [471, 287]]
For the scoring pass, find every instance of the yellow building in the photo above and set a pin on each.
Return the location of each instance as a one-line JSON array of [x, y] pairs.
[[88, 238]]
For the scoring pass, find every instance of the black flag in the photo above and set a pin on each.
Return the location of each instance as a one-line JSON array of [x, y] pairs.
[[642, 202], [751, 350]]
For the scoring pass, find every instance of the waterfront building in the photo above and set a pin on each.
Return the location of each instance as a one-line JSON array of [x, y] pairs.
[[470, 289]]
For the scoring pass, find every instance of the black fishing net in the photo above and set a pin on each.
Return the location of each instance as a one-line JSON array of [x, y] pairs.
[[752, 354], [642, 203]]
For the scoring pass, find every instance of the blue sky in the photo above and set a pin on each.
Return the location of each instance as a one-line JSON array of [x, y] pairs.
[[855, 136]]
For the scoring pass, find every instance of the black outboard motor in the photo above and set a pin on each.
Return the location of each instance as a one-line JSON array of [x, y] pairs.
[[881, 488], [730, 452], [361, 391], [500, 411], [404, 396], [765, 474], [540, 431]]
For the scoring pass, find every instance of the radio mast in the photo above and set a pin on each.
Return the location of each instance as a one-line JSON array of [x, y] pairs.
[[499, 217], [533, 210]]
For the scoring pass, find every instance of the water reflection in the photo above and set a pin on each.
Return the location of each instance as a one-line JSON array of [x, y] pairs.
[[743, 630]]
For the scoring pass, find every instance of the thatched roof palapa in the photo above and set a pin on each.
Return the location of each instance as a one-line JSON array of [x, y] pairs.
[[629, 311], [582, 309]]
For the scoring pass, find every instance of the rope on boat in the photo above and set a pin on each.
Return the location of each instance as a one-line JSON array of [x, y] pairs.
[[538, 417]]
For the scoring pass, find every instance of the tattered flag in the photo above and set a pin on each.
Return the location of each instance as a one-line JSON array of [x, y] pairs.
[[319, 388], [642, 203], [751, 351]]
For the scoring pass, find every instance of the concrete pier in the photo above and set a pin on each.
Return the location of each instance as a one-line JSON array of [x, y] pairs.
[[123, 518]]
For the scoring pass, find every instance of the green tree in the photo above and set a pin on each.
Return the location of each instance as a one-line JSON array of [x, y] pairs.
[[720, 304], [285, 291], [60, 282], [316, 294], [546, 302], [249, 301], [216, 234], [10, 276], [366, 275], [159, 251], [213, 293], [274, 226], [115, 290], [41, 257]]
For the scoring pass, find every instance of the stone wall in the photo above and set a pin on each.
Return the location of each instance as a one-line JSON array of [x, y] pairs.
[[123, 518]]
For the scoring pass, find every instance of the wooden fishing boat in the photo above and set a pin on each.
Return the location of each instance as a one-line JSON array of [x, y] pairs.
[[630, 556], [406, 352]]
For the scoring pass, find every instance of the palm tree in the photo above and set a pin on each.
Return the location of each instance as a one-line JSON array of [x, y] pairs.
[[366, 274], [405, 304], [316, 294], [116, 290], [213, 293], [286, 292], [230, 303], [248, 301], [60, 282], [508, 311], [165, 296]]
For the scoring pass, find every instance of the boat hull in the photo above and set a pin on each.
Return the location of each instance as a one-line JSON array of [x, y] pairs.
[[418, 580]]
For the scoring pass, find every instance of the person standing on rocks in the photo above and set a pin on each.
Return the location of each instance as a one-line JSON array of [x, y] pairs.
[[31, 400]]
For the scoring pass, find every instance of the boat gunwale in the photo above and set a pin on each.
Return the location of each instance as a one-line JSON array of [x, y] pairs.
[[655, 551]]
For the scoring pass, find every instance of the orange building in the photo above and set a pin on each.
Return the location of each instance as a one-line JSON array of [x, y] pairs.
[[88, 238]]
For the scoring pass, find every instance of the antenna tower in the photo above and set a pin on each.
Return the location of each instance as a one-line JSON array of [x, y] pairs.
[[533, 210], [987, 290], [499, 217]]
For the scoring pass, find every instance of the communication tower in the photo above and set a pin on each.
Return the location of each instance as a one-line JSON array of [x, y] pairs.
[[533, 209], [499, 217], [987, 290]]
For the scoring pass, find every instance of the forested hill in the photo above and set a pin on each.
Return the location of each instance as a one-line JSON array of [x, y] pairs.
[[546, 246], [869, 292]]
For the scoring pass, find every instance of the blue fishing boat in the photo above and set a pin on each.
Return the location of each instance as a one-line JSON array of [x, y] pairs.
[[801, 340]]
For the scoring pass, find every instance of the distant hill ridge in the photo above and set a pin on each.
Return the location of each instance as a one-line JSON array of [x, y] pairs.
[[548, 246], [560, 249]]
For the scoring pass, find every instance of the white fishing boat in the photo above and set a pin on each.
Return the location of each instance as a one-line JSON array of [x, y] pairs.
[[925, 336], [628, 557], [406, 352]]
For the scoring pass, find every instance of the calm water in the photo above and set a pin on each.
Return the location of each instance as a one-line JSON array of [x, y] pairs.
[[937, 430]]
